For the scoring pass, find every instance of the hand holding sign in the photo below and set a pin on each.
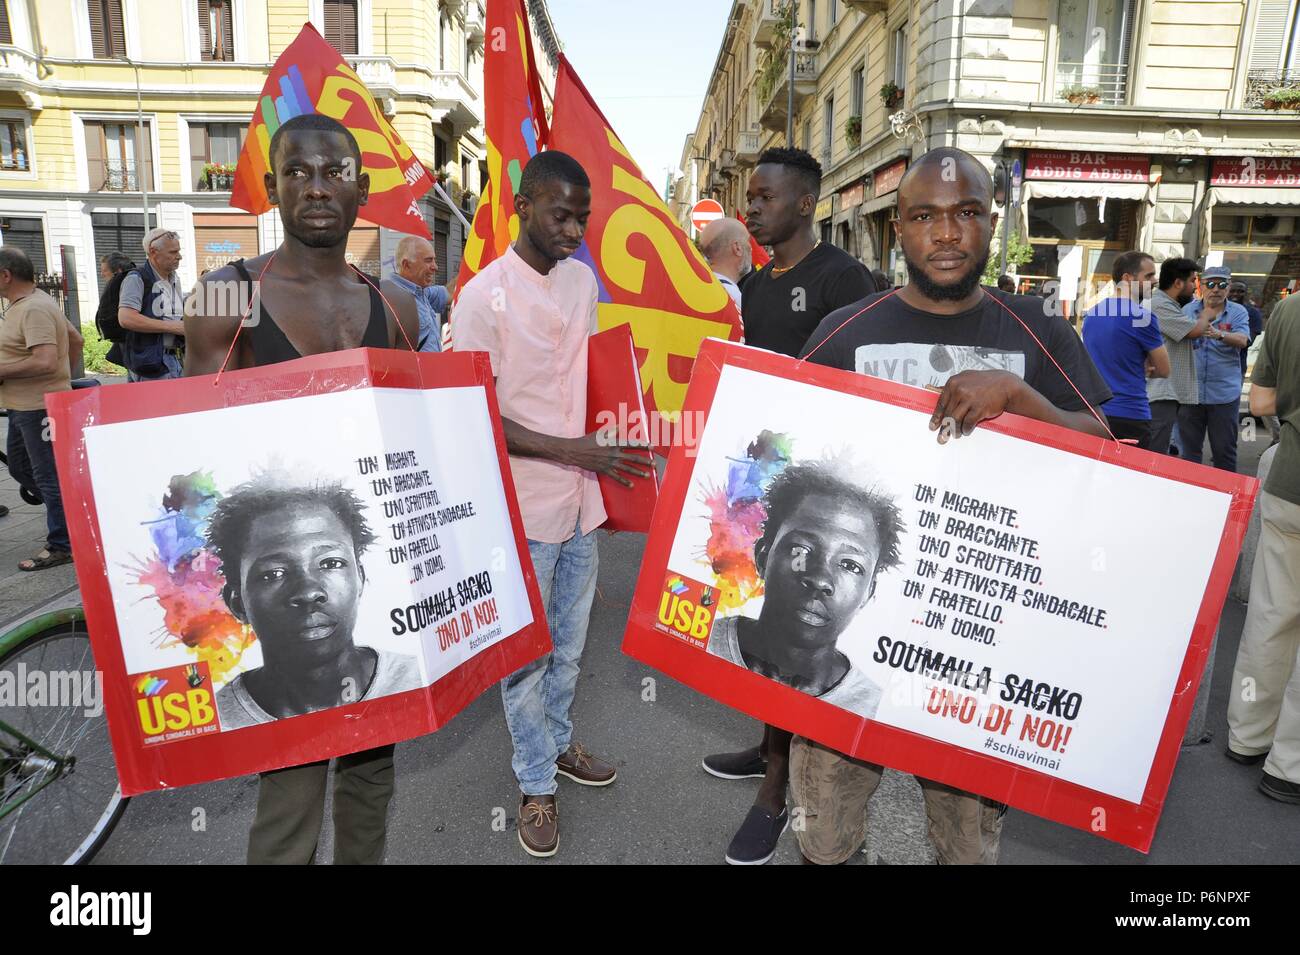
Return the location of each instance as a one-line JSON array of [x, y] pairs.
[[970, 397], [602, 452]]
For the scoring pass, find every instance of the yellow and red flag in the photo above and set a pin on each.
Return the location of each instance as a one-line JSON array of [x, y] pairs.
[[514, 121], [651, 275], [311, 77]]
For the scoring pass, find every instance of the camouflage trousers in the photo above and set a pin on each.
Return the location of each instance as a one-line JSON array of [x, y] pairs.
[[833, 791]]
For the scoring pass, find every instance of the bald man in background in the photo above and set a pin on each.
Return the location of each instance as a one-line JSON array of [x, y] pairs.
[[417, 267], [725, 244]]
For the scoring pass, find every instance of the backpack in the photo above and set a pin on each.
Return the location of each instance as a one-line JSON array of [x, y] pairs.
[[106, 315]]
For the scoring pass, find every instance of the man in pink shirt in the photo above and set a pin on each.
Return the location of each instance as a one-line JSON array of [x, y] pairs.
[[532, 311]]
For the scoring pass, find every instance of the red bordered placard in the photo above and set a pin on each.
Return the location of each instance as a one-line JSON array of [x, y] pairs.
[[313, 736], [1132, 824]]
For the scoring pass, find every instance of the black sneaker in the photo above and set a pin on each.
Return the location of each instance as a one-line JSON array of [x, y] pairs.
[[1279, 789], [1252, 760], [749, 764], [755, 843]]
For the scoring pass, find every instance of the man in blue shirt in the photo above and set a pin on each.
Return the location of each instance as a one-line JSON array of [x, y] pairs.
[[416, 269], [1218, 373], [1123, 338]]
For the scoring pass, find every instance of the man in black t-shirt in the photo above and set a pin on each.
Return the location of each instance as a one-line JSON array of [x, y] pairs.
[[943, 331], [781, 304], [807, 279]]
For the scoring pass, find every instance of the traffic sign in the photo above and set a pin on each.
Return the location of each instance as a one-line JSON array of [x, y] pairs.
[[704, 212]]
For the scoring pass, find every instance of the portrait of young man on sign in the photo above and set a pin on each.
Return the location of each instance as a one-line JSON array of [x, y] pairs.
[[291, 558], [825, 540]]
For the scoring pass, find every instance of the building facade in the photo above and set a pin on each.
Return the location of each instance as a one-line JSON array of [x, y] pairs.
[[114, 109], [1122, 124]]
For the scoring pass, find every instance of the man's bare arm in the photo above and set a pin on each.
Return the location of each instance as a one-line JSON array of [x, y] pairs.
[[1158, 362], [1263, 401], [211, 323], [408, 315], [971, 397], [76, 346], [42, 360], [596, 451]]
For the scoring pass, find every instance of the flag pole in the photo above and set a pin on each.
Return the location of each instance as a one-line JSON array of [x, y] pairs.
[[437, 187]]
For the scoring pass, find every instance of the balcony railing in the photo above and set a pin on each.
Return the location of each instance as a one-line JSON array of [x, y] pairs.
[[119, 176], [747, 147], [1093, 82], [378, 73], [1260, 83], [474, 26], [16, 63], [776, 98], [772, 16]]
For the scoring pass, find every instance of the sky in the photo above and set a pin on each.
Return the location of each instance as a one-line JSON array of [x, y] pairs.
[[646, 63]]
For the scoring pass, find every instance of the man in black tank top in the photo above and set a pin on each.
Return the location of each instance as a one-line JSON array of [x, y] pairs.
[[311, 302]]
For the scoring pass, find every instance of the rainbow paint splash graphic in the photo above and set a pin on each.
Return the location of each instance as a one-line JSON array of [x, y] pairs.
[[149, 685], [186, 577], [736, 516]]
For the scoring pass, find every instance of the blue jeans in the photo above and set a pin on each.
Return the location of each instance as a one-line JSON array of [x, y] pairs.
[[31, 463], [538, 697], [1221, 423], [174, 363]]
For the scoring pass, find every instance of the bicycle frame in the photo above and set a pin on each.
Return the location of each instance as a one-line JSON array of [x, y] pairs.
[[13, 761]]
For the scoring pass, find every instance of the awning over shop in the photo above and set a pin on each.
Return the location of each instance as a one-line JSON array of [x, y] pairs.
[[1071, 189], [1243, 196], [880, 202]]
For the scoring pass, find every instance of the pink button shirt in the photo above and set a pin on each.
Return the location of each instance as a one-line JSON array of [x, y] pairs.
[[535, 329]]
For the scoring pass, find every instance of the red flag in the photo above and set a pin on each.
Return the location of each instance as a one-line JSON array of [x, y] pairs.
[[311, 77], [650, 274], [515, 124], [761, 258]]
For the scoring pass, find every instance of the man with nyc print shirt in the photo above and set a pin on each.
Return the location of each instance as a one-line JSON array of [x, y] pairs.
[[942, 330]]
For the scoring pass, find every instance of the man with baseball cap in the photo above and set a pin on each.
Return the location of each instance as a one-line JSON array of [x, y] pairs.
[[1218, 372]]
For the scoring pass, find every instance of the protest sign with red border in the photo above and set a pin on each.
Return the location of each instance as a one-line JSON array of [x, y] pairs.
[[145, 764], [678, 651]]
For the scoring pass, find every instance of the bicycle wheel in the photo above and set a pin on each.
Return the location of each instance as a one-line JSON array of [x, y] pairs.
[[62, 792]]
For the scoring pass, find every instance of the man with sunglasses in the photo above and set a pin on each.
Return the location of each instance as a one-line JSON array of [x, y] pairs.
[[1218, 372]]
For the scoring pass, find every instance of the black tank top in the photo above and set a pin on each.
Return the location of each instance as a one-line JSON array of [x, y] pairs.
[[270, 345]]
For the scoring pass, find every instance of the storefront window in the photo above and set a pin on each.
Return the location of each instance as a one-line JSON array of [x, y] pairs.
[[1260, 246], [1104, 232]]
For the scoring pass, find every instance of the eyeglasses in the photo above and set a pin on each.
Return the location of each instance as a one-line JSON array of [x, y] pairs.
[[1215, 283]]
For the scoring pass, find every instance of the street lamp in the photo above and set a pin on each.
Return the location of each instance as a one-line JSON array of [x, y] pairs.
[[1006, 193]]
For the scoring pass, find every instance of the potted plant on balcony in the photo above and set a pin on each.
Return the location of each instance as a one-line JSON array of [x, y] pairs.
[[853, 131], [218, 176], [1081, 94], [1284, 97], [891, 95]]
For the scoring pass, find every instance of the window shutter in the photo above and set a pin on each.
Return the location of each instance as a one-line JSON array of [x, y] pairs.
[[205, 33], [116, 31], [198, 153], [144, 157], [1271, 23], [348, 20], [6, 34], [341, 25], [333, 31], [97, 46], [1127, 31], [227, 31], [95, 155]]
